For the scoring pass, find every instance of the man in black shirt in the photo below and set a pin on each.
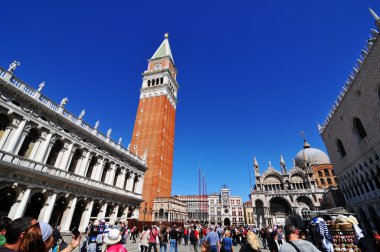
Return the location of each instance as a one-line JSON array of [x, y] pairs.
[[173, 236]]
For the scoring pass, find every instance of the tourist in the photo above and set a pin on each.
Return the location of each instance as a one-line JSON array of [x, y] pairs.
[[252, 244], [144, 239], [294, 244], [273, 243], [56, 236], [227, 242], [39, 238], [92, 234], [163, 238], [15, 233], [213, 238], [186, 235], [4, 224], [205, 246], [173, 237], [112, 240], [194, 237], [152, 239], [280, 237], [123, 232]]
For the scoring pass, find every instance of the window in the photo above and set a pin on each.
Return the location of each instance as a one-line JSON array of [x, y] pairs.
[[329, 181], [322, 181], [359, 128], [327, 174], [319, 173], [341, 149]]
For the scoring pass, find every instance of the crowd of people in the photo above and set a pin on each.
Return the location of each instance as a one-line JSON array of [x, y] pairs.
[[27, 235]]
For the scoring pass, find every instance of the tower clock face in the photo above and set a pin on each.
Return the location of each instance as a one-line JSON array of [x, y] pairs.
[[225, 201]]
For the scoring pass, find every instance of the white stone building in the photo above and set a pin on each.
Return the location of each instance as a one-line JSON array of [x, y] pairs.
[[196, 207], [57, 168], [225, 209], [169, 209]]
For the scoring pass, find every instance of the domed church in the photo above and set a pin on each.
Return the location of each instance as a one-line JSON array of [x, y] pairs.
[[279, 194]]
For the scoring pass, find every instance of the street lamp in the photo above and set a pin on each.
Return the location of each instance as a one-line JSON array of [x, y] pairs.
[[145, 210]]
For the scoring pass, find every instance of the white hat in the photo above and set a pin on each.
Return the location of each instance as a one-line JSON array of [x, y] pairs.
[[112, 237]]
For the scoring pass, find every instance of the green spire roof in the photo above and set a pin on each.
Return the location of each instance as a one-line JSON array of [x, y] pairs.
[[164, 49]]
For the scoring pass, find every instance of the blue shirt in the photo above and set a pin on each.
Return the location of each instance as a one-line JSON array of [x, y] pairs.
[[212, 238], [227, 243]]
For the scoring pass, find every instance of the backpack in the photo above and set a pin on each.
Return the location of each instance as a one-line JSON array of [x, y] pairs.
[[192, 236]]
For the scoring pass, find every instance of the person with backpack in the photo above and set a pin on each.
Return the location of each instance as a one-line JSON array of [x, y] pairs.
[[194, 237], [144, 239], [173, 237], [153, 239], [186, 235], [163, 237]]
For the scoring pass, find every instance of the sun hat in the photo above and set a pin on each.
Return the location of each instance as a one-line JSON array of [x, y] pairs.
[[112, 237], [96, 223], [46, 230]]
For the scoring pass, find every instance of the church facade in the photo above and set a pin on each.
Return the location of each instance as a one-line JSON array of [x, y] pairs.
[[153, 132], [279, 195], [57, 168]]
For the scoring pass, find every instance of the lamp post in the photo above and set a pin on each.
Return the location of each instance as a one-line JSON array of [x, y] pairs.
[[145, 210]]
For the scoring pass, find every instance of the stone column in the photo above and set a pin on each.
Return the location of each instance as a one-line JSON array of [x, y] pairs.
[[135, 213], [85, 164], [86, 216], [121, 179], [44, 148], [102, 212], [5, 136], [49, 208], [125, 213], [99, 169], [67, 156], [113, 215], [18, 208], [131, 182], [128, 179], [111, 174], [16, 137], [21, 141], [68, 215]]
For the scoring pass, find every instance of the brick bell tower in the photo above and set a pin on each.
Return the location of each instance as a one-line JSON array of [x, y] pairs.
[[153, 133]]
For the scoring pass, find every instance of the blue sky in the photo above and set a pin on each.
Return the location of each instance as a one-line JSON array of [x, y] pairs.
[[253, 74]]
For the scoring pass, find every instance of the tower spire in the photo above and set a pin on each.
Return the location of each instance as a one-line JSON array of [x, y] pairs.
[[163, 50], [376, 17]]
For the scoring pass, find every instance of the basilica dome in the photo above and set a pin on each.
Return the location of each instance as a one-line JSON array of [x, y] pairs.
[[312, 156]]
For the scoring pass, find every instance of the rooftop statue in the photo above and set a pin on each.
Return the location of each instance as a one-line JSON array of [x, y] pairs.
[[13, 66], [64, 102], [41, 86], [82, 114]]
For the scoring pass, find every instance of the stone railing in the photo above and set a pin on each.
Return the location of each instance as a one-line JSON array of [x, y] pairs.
[[30, 91], [287, 192], [50, 170]]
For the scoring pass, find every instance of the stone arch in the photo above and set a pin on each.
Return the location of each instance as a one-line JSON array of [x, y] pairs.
[[8, 196], [58, 210], [95, 209], [75, 159], [78, 212], [35, 204], [5, 121], [104, 172], [363, 219], [279, 208], [54, 152], [359, 129], [305, 202], [117, 173], [374, 218], [259, 207], [91, 166], [28, 143]]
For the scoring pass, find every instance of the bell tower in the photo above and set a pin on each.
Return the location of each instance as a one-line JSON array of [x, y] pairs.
[[153, 132]]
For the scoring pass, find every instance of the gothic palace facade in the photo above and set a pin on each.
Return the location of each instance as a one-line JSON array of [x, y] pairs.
[[57, 168], [351, 133]]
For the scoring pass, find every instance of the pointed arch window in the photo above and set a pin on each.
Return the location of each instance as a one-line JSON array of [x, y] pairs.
[[341, 150], [359, 128]]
